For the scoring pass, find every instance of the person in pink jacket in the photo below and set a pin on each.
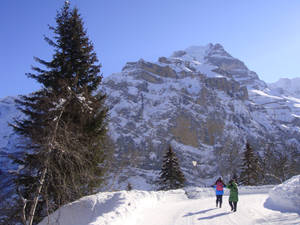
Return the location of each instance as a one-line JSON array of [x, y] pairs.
[[219, 187]]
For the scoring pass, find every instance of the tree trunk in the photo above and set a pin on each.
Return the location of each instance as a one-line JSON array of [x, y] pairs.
[[44, 172], [24, 201], [36, 198]]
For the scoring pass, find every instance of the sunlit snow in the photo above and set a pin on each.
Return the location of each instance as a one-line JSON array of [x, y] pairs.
[[193, 206]]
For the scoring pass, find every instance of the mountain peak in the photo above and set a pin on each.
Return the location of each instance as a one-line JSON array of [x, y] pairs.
[[287, 86], [288, 83], [200, 53], [218, 50]]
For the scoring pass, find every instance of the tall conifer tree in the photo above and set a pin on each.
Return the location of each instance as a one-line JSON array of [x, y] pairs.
[[65, 124], [171, 176], [250, 169]]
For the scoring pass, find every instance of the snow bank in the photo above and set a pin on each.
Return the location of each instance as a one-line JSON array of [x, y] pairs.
[[110, 208], [206, 192], [127, 207], [130, 207], [286, 196]]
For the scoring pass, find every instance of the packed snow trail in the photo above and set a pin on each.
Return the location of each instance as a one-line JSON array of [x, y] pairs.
[[250, 210]]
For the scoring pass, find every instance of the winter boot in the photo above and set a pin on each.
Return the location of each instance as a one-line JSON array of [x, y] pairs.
[[231, 205], [235, 205]]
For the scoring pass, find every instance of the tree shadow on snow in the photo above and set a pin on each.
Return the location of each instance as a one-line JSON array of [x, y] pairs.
[[269, 204], [214, 216], [195, 213]]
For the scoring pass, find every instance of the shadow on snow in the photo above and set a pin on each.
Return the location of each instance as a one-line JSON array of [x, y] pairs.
[[195, 213], [214, 216], [269, 204]]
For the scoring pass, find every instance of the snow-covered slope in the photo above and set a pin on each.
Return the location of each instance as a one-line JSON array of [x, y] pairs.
[[189, 206], [8, 142], [8, 111], [286, 86]]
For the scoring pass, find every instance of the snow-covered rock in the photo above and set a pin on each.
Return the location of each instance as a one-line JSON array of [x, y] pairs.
[[286, 86], [286, 196]]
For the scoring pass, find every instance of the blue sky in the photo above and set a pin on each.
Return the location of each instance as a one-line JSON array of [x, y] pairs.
[[265, 34]]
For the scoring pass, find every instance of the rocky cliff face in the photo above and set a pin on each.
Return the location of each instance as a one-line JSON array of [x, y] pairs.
[[203, 102], [199, 100]]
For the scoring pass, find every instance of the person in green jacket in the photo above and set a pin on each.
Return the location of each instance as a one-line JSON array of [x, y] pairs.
[[233, 195]]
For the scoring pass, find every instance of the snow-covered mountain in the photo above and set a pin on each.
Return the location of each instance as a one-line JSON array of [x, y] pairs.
[[8, 143], [202, 101], [286, 86]]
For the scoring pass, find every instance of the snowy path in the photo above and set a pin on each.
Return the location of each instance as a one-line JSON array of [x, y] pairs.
[[189, 206], [250, 210]]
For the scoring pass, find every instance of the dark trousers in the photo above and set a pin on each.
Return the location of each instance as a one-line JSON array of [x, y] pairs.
[[233, 206], [219, 200]]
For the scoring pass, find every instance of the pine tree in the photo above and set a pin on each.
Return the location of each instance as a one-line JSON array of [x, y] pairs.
[[235, 177], [129, 187], [269, 163], [250, 169], [228, 157], [171, 176], [64, 130], [286, 156]]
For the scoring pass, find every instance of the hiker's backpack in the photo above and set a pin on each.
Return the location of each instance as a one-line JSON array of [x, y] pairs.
[[219, 186]]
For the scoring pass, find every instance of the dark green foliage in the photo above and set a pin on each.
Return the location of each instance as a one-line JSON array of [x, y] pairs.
[[129, 187], [250, 169], [287, 157], [235, 177], [228, 154], [65, 126], [171, 176]]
